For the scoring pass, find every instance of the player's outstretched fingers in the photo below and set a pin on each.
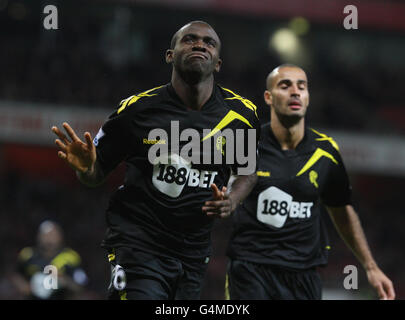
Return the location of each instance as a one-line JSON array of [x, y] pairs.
[[89, 140], [62, 155], [60, 134], [61, 145], [70, 132]]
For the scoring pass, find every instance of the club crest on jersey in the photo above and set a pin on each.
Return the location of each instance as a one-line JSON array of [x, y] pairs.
[[313, 176], [275, 205], [220, 144]]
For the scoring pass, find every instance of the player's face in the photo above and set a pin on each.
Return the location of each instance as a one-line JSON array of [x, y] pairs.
[[196, 50], [288, 95], [50, 240]]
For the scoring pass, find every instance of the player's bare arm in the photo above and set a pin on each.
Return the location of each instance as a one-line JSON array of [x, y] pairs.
[[349, 227], [80, 156], [225, 203]]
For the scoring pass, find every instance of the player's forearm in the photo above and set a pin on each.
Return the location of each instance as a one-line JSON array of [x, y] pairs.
[[93, 177], [240, 189], [349, 227]]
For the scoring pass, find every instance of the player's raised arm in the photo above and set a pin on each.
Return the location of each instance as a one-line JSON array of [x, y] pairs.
[[80, 156]]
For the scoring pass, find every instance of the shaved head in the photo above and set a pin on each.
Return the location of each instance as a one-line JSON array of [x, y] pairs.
[[273, 74], [176, 35]]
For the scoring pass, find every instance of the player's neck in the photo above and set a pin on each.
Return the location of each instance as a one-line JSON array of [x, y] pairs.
[[288, 136], [194, 96]]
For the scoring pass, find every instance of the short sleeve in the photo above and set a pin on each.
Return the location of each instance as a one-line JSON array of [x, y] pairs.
[[112, 141], [338, 190]]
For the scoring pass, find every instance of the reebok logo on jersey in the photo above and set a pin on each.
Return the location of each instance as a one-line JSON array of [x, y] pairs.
[[263, 173], [275, 205], [154, 141]]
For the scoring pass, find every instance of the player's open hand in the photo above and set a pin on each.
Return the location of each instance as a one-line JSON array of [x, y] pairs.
[[79, 155], [381, 284], [221, 206]]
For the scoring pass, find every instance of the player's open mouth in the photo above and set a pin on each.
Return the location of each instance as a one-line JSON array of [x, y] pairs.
[[295, 105]]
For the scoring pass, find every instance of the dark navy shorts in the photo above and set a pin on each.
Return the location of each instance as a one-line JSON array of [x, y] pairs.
[[249, 281], [137, 275]]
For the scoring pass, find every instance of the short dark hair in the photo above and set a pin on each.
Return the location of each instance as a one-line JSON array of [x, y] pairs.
[[269, 79]]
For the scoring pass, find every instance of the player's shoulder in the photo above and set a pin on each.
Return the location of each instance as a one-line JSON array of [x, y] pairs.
[[25, 254], [238, 103], [67, 256], [323, 140], [139, 100]]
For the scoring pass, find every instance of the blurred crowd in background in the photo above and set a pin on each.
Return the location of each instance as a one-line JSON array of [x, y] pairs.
[[105, 51]]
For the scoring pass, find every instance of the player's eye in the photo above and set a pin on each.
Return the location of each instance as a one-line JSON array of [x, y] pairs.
[[211, 43], [302, 86], [188, 39]]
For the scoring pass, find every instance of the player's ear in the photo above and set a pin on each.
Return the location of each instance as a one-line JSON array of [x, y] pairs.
[[268, 97], [218, 65], [169, 56]]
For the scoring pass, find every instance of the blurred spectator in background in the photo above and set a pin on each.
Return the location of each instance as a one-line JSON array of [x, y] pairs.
[[32, 271]]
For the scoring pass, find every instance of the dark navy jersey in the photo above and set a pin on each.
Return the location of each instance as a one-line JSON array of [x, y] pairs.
[[280, 223], [158, 209]]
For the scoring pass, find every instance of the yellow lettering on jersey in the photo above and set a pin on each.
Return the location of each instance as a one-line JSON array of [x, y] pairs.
[[324, 137], [247, 103], [132, 99], [147, 141], [229, 117], [263, 173], [319, 153]]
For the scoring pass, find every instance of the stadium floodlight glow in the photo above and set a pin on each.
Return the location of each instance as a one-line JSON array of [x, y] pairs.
[[299, 25], [284, 41]]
